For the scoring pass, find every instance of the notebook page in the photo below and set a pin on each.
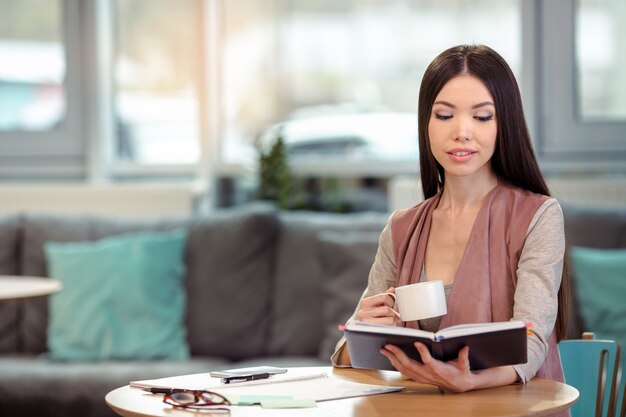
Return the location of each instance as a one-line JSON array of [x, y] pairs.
[[477, 328], [316, 386], [320, 387]]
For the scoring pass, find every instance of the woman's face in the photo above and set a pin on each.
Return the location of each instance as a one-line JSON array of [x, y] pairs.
[[462, 127]]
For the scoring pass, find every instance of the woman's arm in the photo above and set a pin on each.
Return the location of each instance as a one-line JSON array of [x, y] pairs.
[[538, 280]]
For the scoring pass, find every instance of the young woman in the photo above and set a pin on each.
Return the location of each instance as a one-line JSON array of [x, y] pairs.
[[488, 228]]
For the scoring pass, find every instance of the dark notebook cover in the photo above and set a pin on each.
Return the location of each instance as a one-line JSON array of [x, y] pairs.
[[491, 344]]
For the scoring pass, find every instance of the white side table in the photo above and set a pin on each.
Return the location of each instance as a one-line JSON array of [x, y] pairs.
[[21, 287]]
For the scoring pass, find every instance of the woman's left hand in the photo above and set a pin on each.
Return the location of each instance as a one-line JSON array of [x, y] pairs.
[[453, 375]]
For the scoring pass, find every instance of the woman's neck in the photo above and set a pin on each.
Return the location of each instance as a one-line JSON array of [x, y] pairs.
[[462, 193]]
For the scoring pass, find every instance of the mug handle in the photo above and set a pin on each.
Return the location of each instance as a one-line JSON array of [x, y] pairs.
[[392, 295]]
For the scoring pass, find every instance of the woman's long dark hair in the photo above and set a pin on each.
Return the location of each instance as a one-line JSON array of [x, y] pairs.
[[513, 159]]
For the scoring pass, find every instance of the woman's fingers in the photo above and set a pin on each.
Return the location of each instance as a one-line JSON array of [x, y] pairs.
[[407, 366], [391, 353], [400, 360], [378, 300], [375, 312], [379, 309], [452, 375], [463, 361], [425, 355], [389, 321]]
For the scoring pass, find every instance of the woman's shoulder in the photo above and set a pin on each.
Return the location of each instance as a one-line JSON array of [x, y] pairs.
[[544, 202], [520, 199], [506, 188], [549, 211]]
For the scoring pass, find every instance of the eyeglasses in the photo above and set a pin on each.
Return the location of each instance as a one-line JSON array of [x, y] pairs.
[[183, 398]]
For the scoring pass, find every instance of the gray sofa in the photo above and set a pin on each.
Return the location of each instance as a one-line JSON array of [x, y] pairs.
[[263, 287], [260, 290]]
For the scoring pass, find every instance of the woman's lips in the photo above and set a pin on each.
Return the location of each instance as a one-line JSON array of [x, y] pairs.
[[461, 155]]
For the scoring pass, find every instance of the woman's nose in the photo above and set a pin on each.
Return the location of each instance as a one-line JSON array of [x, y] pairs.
[[462, 132]]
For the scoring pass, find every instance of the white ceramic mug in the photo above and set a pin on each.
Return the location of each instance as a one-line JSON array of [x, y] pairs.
[[420, 301]]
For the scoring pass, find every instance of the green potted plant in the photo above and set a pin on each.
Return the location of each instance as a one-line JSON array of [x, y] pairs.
[[275, 180]]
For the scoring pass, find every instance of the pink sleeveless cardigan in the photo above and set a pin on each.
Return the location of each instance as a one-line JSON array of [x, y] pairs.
[[486, 278]]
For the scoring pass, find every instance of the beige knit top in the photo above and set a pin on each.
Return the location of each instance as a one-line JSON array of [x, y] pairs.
[[538, 280]]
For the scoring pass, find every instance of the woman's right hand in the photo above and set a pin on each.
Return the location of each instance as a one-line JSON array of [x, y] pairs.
[[375, 309], [379, 309]]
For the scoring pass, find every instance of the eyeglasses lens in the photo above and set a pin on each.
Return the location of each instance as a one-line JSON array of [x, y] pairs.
[[211, 398], [195, 399], [183, 398]]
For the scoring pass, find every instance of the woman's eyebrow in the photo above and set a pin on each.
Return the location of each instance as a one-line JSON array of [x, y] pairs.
[[445, 103], [484, 103], [475, 106]]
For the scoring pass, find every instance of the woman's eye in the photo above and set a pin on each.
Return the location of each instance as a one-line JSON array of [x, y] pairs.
[[443, 116], [484, 118]]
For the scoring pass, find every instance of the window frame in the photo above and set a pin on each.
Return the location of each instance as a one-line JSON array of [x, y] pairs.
[[82, 147], [121, 170], [58, 151], [565, 142]]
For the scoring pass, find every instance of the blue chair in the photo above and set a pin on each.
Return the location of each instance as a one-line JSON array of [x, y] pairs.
[[623, 398], [592, 367]]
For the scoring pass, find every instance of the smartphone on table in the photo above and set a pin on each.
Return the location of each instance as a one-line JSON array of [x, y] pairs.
[[249, 373]]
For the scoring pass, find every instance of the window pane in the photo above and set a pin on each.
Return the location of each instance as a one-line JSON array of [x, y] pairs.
[[156, 76], [600, 59], [349, 72], [32, 65]]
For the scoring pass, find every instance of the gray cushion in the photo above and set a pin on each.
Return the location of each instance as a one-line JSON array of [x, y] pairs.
[[39, 229], [36, 387], [9, 265], [230, 259], [590, 227], [595, 227], [297, 327], [346, 261]]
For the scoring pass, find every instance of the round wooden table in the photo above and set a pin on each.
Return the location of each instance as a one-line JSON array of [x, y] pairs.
[[20, 287], [539, 397]]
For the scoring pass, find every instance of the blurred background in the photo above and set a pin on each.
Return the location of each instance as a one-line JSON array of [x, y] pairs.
[[198, 93]]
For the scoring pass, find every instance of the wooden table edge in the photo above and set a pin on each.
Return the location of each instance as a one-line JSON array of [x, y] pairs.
[[572, 394]]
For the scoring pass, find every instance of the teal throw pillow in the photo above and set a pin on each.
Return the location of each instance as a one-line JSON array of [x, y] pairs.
[[122, 298], [600, 289]]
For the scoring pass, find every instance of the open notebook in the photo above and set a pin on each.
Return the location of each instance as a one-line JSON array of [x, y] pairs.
[[296, 384], [490, 344]]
